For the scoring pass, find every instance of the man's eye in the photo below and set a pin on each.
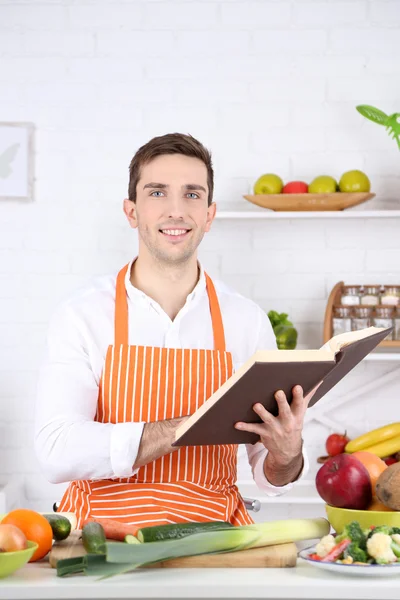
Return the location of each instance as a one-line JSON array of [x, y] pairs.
[[156, 192], [193, 195]]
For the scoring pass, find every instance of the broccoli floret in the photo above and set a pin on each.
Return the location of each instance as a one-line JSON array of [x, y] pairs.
[[356, 553], [353, 532], [395, 530], [380, 529]]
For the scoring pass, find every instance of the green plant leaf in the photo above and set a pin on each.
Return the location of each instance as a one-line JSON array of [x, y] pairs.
[[373, 114]]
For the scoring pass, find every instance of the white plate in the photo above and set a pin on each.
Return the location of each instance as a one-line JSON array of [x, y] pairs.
[[363, 570]]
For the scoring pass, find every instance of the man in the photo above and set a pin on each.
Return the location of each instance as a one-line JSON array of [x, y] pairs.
[[130, 357]]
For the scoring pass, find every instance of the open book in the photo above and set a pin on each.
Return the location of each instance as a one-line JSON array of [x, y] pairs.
[[266, 372]]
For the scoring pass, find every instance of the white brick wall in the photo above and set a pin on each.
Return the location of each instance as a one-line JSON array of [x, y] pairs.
[[268, 86]]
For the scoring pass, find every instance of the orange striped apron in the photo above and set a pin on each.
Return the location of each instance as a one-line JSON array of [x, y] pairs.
[[143, 383]]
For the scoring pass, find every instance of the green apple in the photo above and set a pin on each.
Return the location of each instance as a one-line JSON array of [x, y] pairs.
[[324, 184], [268, 184], [354, 181]]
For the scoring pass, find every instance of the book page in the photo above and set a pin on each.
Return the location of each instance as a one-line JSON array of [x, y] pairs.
[[289, 356], [338, 342]]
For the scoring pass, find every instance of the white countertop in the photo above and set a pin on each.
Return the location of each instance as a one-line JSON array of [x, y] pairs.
[[39, 582]]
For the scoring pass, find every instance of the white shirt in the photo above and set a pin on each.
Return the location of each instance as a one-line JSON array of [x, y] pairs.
[[69, 443]]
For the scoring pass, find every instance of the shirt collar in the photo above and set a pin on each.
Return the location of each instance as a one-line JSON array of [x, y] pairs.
[[134, 293]]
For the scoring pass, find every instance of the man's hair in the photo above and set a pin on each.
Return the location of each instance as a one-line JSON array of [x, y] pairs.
[[171, 143]]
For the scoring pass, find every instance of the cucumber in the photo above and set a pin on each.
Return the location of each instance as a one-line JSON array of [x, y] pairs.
[[131, 539], [61, 526], [175, 531], [94, 538], [71, 518]]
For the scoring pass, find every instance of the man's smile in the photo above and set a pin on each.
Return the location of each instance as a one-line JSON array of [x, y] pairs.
[[175, 234]]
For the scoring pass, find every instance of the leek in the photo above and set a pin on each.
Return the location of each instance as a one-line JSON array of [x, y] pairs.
[[90, 564], [122, 557], [226, 540], [289, 530]]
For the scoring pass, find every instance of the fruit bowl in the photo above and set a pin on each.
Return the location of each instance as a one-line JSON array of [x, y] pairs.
[[11, 561], [339, 517], [314, 202]]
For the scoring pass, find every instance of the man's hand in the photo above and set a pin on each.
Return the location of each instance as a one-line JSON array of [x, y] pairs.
[[282, 435], [156, 440]]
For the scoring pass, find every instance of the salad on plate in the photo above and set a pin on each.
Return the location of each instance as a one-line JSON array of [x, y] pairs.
[[375, 550]]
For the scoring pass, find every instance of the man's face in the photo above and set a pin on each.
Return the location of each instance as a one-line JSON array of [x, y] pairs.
[[171, 210]]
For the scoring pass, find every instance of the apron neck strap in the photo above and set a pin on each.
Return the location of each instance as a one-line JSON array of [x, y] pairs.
[[121, 312], [121, 326], [216, 317]]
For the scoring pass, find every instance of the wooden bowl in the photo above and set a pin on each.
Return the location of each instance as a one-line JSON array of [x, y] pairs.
[[314, 202]]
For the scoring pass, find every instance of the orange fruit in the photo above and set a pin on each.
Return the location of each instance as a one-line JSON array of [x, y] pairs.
[[377, 505], [35, 527], [373, 464]]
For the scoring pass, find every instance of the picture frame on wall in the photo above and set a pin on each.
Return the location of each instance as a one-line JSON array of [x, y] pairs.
[[16, 161]]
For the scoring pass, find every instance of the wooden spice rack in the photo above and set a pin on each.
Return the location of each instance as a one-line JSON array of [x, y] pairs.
[[334, 300]]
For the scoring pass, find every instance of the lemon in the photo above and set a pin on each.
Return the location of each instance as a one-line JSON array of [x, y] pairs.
[[354, 181], [268, 184], [324, 184]]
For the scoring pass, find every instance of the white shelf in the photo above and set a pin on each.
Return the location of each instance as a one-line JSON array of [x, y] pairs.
[[270, 214]]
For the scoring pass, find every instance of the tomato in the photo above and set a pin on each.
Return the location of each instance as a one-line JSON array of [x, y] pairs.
[[336, 443], [295, 187], [11, 539]]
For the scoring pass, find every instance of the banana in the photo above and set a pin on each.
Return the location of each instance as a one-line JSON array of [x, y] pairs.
[[385, 448], [376, 436]]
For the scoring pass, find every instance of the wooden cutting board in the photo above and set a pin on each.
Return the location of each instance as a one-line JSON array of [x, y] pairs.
[[69, 548], [278, 556]]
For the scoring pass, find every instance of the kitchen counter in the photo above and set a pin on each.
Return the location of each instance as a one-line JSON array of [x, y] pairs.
[[39, 582]]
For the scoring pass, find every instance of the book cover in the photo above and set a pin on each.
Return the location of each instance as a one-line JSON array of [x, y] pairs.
[[263, 375]]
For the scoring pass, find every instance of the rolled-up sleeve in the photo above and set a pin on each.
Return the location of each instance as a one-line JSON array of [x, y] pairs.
[[69, 443], [257, 455]]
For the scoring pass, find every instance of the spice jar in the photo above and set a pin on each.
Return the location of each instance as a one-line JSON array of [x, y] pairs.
[[383, 317], [370, 296], [391, 295], [341, 320], [361, 317], [350, 295], [396, 333]]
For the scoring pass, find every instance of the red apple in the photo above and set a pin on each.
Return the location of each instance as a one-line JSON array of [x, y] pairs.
[[295, 187], [344, 482], [390, 460], [336, 443]]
